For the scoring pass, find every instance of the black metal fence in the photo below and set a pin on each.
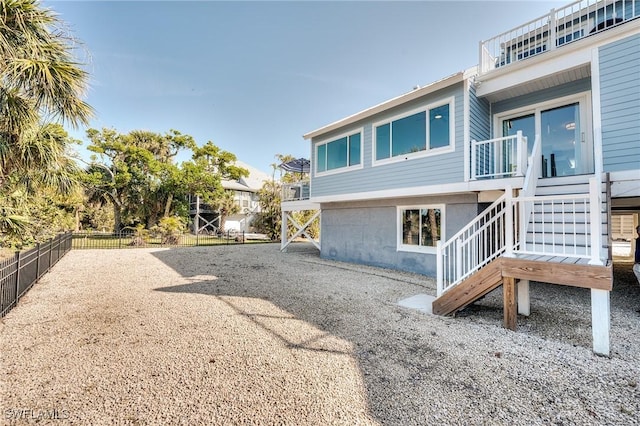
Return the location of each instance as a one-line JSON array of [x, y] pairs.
[[132, 239], [20, 272]]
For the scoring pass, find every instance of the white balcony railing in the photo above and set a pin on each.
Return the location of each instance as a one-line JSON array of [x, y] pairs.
[[554, 30], [297, 191], [499, 157]]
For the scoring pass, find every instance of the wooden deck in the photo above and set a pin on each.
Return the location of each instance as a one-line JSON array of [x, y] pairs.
[[505, 271]]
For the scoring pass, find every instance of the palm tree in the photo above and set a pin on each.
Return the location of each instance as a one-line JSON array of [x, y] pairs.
[[39, 82], [39, 79], [226, 206]]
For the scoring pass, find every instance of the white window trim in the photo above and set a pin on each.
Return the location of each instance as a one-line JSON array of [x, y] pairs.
[[413, 248], [583, 98], [428, 152], [347, 168]]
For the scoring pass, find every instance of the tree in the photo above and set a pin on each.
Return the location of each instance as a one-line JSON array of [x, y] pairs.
[[39, 79], [39, 183], [226, 206], [136, 173], [39, 82], [269, 220]]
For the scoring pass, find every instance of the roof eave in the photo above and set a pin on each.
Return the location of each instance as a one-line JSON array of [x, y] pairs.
[[386, 105]]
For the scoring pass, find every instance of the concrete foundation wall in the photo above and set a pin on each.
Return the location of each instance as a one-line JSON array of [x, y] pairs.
[[366, 232]]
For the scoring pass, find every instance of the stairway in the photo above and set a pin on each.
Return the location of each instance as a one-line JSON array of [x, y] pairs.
[[559, 222], [469, 290], [537, 232]]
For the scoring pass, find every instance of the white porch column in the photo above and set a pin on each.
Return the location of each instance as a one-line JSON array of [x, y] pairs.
[[600, 321], [524, 302]]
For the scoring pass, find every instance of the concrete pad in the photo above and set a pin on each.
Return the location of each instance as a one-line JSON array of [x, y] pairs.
[[421, 302]]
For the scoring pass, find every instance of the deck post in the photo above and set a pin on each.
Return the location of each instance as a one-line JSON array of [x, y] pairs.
[[283, 231], [595, 219], [509, 302], [600, 321], [524, 302]]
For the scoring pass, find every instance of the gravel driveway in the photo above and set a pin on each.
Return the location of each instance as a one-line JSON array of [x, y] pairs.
[[249, 335]]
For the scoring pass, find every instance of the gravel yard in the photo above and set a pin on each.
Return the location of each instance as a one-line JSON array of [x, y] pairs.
[[249, 335]]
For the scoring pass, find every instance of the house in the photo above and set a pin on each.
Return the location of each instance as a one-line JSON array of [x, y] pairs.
[[206, 219], [500, 174]]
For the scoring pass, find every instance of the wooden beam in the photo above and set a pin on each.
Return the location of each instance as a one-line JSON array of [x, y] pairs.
[[585, 276], [470, 290], [509, 302]]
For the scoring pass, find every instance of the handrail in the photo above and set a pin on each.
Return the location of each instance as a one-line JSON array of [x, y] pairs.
[[530, 183], [499, 157], [553, 30], [464, 253], [568, 225], [295, 191]]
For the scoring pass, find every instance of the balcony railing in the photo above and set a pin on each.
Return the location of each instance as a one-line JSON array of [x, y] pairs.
[[558, 28], [295, 191], [499, 157]]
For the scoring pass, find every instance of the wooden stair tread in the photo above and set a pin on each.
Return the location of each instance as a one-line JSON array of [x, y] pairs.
[[562, 270]]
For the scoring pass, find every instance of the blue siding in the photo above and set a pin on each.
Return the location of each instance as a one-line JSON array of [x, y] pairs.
[[431, 170], [542, 96], [620, 104], [480, 117]]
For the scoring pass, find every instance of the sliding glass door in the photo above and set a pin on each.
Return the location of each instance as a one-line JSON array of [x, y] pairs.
[[567, 147]]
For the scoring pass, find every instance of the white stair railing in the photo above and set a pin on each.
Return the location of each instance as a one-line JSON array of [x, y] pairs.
[[534, 171], [566, 225], [475, 245]]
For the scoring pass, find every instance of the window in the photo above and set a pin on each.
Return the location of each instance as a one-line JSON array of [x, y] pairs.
[[340, 153], [420, 228], [416, 134]]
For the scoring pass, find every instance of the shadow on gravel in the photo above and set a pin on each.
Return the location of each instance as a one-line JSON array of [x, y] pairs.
[[405, 368], [563, 313], [394, 362]]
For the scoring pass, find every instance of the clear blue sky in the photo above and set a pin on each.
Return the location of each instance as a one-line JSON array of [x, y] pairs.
[[254, 76]]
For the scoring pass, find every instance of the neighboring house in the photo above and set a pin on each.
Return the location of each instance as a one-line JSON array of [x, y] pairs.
[[207, 219], [506, 172]]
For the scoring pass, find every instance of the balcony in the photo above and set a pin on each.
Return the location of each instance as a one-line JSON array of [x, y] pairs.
[[297, 191], [499, 158], [557, 29]]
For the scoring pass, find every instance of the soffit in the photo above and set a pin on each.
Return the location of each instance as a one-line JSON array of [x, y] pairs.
[[553, 80]]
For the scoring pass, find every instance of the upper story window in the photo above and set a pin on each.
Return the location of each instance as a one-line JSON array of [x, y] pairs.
[[416, 134], [339, 154]]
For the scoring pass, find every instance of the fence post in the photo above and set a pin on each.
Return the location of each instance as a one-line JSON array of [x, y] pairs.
[[38, 261], [119, 239], [17, 277], [50, 252]]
